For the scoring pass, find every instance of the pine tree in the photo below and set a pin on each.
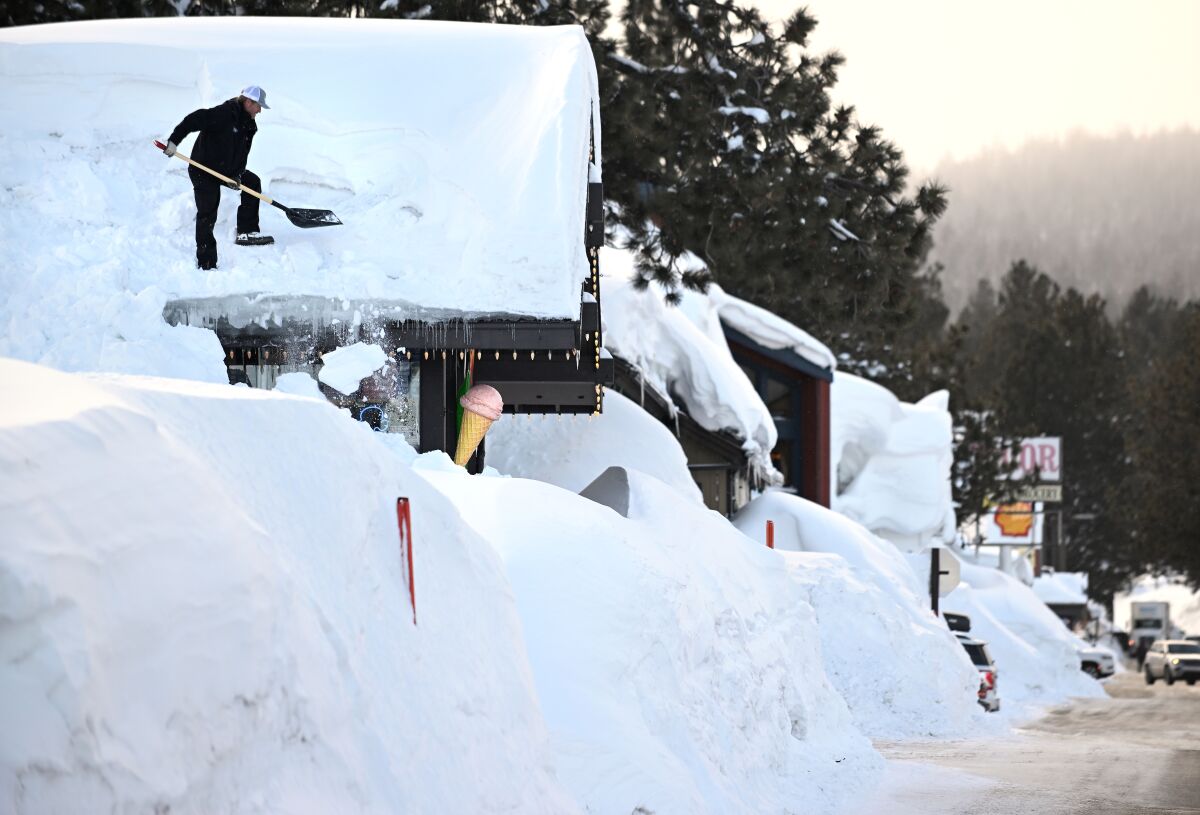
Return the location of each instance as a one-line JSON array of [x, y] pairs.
[[1162, 492], [1049, 362], [24, 12], [725, 143]]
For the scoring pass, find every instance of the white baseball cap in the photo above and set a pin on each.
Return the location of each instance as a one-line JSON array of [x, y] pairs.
[[256, 94]]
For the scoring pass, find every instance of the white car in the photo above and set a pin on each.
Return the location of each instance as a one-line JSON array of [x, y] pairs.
[[1171, 660], [1097, 662], [977, 650]]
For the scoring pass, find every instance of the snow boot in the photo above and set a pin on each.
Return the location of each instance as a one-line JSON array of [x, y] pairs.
[[253, 239]]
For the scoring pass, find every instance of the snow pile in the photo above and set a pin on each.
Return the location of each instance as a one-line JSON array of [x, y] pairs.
[[882, 649], [570, 452], [1185, 603], [683, 354], [677, 666], [198, 617], [769, 330], [891, 462], [1061, 588], [195, 616], [462, 193], [900, 670], [1036, 656]]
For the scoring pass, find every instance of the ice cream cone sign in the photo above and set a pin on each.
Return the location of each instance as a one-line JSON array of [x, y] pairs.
[[482, 405]]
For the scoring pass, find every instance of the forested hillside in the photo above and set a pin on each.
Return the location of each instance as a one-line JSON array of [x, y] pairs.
[[1104, 215]]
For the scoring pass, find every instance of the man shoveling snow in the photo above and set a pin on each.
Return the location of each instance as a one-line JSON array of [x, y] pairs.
[[226, 133]]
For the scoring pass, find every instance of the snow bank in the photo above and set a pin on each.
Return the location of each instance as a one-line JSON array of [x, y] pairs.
[[462, 190], [900, 670], [1061, 588], [882, 649], [678, 668], [683, 354], [891, 461], [571, 452], [1036, 657], [1185, 603], [195, 616]]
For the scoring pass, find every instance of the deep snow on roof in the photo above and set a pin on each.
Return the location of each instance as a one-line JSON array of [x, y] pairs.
[[770, 330], [456, 155]]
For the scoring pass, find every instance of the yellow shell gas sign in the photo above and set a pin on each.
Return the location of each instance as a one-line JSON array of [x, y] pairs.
[[1016, 522]]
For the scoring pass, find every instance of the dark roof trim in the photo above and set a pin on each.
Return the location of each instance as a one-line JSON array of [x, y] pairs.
[[788, 360]]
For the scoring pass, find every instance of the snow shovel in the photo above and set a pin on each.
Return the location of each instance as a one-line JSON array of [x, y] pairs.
[[303, 218]]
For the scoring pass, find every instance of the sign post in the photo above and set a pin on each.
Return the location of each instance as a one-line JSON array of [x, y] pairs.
[[945, 573]]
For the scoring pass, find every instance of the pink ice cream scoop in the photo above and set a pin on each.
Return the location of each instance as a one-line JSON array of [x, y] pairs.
[[483, 400]]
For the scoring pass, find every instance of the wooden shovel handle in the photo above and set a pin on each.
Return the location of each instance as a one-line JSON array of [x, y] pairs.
[[224, 178]]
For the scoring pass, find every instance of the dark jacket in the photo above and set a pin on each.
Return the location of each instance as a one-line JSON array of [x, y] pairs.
[[226, 132]]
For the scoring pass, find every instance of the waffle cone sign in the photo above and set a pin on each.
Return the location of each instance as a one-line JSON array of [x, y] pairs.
[[474, 428]]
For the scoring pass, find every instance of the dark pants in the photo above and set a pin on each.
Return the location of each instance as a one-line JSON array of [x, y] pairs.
[[208, 196]]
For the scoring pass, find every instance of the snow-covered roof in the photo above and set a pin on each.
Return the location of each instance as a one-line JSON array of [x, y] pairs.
[[770, 330], [456, 155], [1061, 588], [682, 353]]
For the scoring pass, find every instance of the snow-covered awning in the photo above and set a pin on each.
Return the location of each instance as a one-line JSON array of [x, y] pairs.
[[770, 330], [456, 155]]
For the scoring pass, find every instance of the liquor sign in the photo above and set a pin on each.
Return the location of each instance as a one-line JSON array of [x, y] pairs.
[[1042, 454], [1046, 493]]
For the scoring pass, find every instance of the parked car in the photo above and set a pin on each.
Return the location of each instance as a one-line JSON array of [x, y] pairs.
[[989, 698], [1097, 662], [1171, 660], [957, 622]]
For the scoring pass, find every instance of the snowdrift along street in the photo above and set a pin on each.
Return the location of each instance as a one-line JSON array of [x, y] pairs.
[[196, 568]]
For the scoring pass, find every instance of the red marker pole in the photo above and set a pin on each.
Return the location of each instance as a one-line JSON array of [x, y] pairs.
[[770, 534], [404, 523]]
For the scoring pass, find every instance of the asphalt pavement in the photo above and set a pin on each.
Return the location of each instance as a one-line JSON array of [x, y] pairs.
[[1136, 753]]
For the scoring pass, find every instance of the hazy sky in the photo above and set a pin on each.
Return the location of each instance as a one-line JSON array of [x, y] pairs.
[[954, 77]]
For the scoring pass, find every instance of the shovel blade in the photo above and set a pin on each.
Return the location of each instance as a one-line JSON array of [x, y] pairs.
[[308, 218]]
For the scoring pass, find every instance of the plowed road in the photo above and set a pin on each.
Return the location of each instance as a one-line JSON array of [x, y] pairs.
[[1137, 753]]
